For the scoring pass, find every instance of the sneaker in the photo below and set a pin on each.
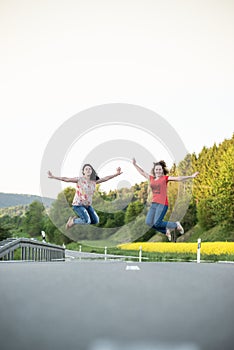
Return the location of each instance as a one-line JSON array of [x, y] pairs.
[[168, 234], [180, 228], [69, 223]]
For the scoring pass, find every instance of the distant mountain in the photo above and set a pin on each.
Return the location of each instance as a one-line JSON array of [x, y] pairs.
[[14, 199]]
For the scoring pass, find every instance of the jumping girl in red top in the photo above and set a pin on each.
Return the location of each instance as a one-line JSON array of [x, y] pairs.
[[158, 183]]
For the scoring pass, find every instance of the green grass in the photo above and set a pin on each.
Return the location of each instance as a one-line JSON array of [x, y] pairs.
[[151, 256], [99, 250]]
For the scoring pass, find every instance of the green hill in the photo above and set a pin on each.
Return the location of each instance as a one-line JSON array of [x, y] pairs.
[[15, 199], [218, 233]]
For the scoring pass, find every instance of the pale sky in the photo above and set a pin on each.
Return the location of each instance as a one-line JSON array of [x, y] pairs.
[[58, 58]]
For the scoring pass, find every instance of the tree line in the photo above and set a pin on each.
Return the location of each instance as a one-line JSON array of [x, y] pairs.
[[208, 200]]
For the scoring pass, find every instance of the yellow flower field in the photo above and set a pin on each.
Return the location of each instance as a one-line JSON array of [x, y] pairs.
[[208, 248]]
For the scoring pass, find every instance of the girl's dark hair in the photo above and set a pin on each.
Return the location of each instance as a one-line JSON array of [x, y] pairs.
[[94, 176], [163, 165]]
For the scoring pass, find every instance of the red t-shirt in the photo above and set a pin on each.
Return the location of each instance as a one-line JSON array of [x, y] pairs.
[[159, 189]]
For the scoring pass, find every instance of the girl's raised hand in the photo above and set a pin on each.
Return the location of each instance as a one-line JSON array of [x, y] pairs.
[[50, 174], [195, 174], [118, 170]]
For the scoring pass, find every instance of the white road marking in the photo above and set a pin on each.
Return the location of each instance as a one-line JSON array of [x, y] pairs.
[[132, 267]]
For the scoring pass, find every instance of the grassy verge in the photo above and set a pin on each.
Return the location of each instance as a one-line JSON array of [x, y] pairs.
[[100, 250], [155, 256]]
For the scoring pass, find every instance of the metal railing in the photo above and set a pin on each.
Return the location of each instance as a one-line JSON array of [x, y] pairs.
[[31, 250]]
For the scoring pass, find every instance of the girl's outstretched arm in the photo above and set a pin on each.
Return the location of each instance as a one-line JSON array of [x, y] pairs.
[[106, 178], [139, 169], [65, 179], [182, 178]]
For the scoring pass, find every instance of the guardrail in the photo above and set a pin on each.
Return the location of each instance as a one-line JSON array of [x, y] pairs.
[[31, 250]]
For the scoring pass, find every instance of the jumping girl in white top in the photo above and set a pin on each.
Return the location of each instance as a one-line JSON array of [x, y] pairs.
[[85, 188]]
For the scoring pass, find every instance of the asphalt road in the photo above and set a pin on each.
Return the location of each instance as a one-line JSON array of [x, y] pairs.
[[113, 305]]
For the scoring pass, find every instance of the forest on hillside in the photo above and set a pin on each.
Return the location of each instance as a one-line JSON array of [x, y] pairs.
[[206, 201]]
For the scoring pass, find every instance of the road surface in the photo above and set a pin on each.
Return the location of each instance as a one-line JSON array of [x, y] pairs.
[[116, 305]]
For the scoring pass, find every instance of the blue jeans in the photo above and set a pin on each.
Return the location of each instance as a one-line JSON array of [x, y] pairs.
[[87, 215], [155, 217]]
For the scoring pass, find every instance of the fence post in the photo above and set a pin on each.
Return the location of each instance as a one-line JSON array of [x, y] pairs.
[[43, 236], [199, 250], [105, 253], [140, 253]]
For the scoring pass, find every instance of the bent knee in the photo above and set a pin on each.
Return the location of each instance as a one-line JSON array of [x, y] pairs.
[[95, 221], [148, 223], [86, 220], [158, 223]]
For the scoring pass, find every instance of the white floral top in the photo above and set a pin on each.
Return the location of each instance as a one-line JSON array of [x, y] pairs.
[[84, 192]]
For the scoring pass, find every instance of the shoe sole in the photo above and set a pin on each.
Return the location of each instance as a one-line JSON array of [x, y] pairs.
[[180, 230]]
